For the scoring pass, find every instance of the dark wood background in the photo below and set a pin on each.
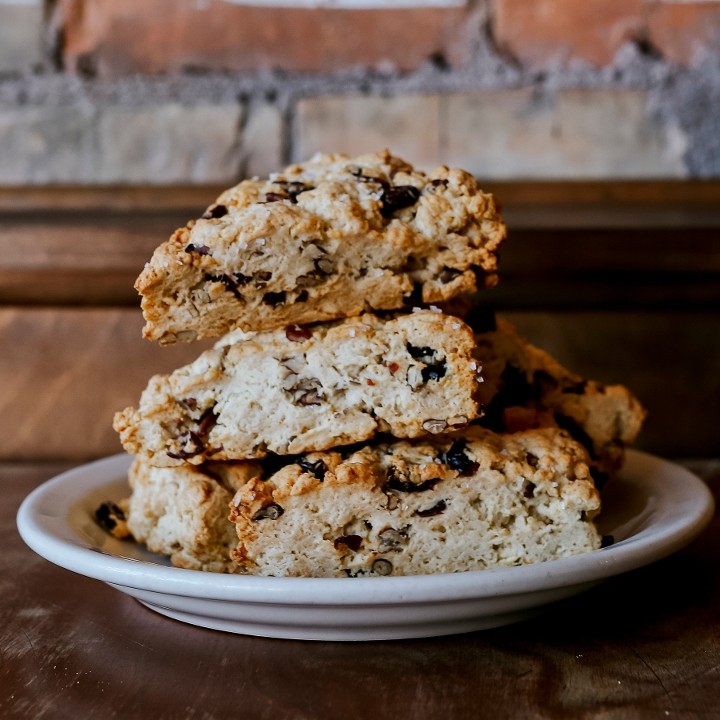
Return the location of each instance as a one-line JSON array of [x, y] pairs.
[[621, 281]]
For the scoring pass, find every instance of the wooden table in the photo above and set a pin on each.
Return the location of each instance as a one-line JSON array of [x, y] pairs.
[[645, 645]]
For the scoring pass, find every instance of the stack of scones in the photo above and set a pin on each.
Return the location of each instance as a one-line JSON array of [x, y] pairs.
[[357, 415]]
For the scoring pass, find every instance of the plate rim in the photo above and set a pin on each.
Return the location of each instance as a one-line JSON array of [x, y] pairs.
[[639, 549]]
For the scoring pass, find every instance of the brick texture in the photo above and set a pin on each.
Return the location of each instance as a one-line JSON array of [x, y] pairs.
[[167, 143], [21, 27], [571, 134], [110, 38], [684, 31], [548, 33], [407, 124], [502, 134]]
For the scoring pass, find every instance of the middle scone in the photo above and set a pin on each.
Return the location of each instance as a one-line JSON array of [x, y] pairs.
[[308, 388]]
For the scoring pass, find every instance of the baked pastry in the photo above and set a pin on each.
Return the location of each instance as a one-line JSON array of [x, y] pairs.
[[469, 501], [525, 387], [329, 238], [182, 512], [306, 388], [466, 501]]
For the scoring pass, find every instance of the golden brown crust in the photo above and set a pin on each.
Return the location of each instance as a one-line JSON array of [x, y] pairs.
[[454, 503], [329, 238]]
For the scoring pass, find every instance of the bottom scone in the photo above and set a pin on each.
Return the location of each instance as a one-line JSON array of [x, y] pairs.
[[466, 501]]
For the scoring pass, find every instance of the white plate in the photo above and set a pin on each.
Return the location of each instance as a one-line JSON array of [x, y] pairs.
[[653, 509]]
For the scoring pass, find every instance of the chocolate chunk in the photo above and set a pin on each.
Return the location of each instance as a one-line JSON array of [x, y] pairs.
[[270, 512], [456, 459], [191, 445], [276, 197], [439, 507], [529, 490], [359, 174], [531, 459], [316, 468], [207, 422], [199, 249], [424, 354], [396, 482], [231, 282], [397, 197], [274, 298], [292, 188], [353, 542], [216, 211], [435, 371], [449, 274], [108, 515]]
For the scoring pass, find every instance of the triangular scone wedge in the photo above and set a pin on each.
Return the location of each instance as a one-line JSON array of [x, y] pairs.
[[466, 501], [326, 239], [525, 387], [307, 388]]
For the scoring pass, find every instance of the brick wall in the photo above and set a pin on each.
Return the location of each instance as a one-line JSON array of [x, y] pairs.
[[205, 91]]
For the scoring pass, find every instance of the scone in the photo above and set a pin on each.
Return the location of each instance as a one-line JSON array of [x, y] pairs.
[[329, 238], [469, 501], [306, 388], [525, 387], [182, 512]]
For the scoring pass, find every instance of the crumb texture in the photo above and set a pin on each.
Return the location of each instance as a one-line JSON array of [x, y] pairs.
[[325, 239], [182, 512], [469, 501], [303, 388]]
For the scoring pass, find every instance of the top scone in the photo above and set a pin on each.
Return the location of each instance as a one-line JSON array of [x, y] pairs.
[[322, 240]]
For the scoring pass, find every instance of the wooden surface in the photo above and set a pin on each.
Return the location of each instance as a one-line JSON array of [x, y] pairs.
[[642, 646]]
